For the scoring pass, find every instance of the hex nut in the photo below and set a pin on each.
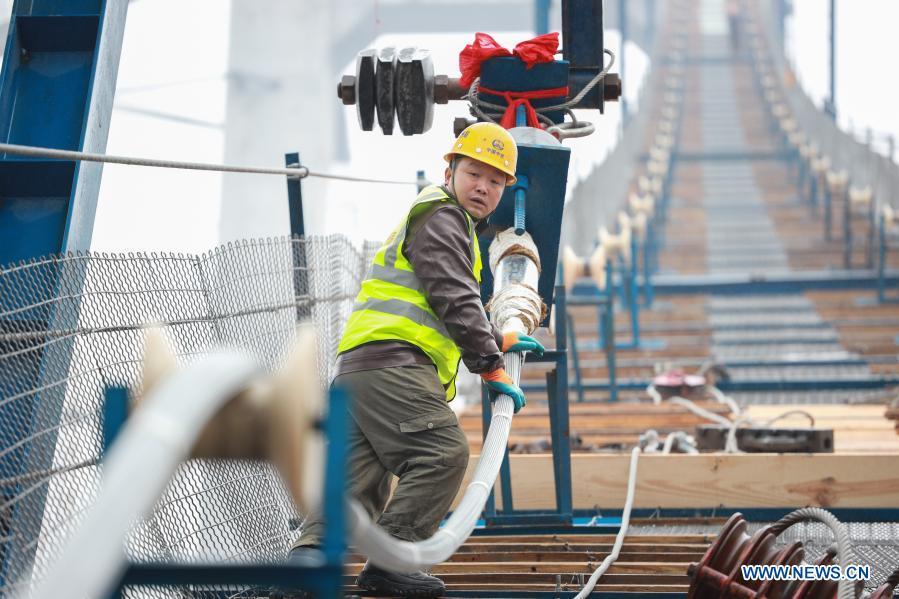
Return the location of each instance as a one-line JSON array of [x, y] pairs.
[[611, 87], [441, 89], [346, 89]]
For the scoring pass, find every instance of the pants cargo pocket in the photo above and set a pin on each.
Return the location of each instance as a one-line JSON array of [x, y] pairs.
[[438, 434], [429, 421]]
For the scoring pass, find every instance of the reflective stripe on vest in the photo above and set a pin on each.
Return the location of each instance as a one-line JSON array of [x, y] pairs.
[[391, 304]]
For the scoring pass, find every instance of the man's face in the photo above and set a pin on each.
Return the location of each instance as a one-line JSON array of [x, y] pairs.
[[476, 185]]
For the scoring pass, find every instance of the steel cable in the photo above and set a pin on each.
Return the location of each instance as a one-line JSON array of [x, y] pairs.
[[294, 171], [846, 587]]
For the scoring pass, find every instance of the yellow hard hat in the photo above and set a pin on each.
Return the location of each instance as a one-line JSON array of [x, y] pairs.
[[488, 143]]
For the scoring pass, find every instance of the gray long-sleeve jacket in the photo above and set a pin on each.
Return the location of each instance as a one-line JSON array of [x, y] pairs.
[[438, 246]]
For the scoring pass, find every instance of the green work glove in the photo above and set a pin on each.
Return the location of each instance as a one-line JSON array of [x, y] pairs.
[[518, 342], [500, 382]]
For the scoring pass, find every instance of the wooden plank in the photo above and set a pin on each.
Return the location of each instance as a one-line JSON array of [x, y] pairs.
[[688, 539], [622, 581], [573, 567], [712, 480], [555, 557]]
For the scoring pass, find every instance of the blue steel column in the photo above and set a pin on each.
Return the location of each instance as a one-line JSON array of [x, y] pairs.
[[541, 16], [297, 239], [56, 90], [560, 410]]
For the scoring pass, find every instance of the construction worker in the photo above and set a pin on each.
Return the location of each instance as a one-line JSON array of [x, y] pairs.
[[417, 314]]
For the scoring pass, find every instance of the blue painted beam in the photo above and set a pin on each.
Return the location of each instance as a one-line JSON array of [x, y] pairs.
[[742, 385], [608, 519], [773, 363], [756, 283], [56, 90]]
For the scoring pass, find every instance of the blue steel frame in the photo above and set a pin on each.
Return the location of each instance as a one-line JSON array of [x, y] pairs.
[[56, 90], [297, 220], [751, 284], [741, 386], [604, 301], [324, 578], [557, 399], [870, 218]]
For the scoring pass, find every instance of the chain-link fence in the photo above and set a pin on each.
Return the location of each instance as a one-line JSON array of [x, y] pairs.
[[72, 325]]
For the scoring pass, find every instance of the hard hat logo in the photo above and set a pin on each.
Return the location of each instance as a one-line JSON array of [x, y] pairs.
[[488, 143]]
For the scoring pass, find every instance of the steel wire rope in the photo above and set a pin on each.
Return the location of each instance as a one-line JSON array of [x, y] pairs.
[[845, 553], [622, 531], [294, 171]]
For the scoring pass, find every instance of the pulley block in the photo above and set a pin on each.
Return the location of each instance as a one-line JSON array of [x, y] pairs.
[[365, 89], [414, 90], [719, 572], [385, 77], [397, 86]]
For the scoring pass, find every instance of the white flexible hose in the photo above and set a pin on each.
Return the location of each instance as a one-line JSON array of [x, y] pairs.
[[155, 440], [622, 532], [393, 554]]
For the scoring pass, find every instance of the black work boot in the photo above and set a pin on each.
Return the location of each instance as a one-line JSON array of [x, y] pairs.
[[417, 584]]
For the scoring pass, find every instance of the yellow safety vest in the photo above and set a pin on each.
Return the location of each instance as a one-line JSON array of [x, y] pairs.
[[391, 305]]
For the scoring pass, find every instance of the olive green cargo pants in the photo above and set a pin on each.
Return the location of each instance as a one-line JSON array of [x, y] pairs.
[[401, 426]]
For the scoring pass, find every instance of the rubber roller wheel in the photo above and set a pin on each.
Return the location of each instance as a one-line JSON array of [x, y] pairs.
[[365, 89], [296, 444], [385, 75], [414, 90]]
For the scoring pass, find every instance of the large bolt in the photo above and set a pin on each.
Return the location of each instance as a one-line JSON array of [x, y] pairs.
[[441, 89], [611, 87], [346, 89], [447, 88]]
